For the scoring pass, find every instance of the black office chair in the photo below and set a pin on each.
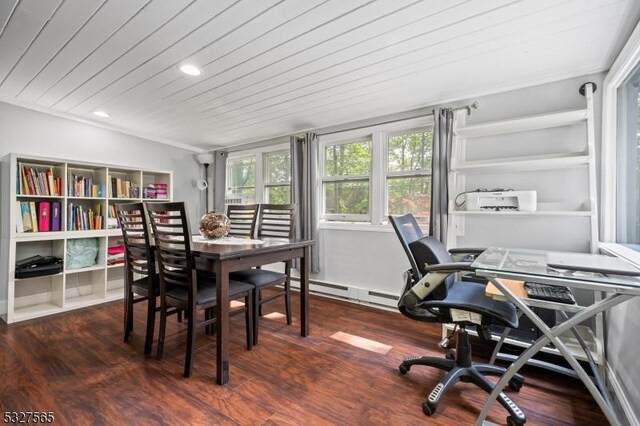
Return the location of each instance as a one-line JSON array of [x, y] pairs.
[[433, 298]]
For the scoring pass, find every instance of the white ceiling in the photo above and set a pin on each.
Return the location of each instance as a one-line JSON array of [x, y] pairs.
[[276, 67]]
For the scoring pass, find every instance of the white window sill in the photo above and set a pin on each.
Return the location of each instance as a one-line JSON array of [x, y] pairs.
[[621, 251], [360, 227], [349, 226]]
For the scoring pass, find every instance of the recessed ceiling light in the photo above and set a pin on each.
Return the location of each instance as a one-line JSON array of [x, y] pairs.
[[190, 69], [101, 114]]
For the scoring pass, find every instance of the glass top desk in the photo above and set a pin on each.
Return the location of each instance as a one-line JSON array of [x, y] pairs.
[[531, 265]]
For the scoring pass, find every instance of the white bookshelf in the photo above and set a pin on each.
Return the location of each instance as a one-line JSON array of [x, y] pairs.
[[35, 297]]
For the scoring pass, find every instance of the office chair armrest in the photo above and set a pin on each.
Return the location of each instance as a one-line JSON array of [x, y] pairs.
[[450, 267], [466, 250], [433, 277], [465, 254]]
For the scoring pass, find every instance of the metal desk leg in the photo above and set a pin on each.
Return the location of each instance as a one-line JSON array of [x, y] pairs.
[[552, 336]]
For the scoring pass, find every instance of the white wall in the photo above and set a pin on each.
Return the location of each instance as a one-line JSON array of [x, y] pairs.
[[28, 132]]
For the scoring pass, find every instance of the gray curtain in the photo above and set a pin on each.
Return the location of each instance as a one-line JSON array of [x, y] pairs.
[[442, 140], [304, 177], [219, 180]]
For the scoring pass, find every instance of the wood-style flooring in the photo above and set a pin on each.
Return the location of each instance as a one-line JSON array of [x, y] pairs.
[[76, 365]]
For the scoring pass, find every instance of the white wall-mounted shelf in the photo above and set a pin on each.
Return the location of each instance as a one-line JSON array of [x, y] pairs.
[[530, 153], [524, 163], [522, 124], [71, 289]]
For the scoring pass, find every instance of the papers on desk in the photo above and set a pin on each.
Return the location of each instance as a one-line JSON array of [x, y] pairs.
[[516, 287], [587, 262], [229, 241]]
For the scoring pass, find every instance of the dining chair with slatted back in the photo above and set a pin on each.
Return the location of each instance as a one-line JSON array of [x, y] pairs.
[[274, 220], [181, 285], [243, 219], [140, 272]]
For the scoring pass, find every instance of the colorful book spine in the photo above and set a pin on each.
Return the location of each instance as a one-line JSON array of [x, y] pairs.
[[44, 216], [34, 216], [26, 217], [55, 216], [19, 225]]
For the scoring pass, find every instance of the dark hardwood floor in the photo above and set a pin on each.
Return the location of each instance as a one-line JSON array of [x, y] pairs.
[[77, 366]]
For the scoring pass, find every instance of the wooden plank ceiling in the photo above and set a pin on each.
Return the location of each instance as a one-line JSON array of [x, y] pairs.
[[276, 67]]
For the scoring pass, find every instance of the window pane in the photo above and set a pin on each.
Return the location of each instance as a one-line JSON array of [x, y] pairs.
[[409, 195], [628, 203], [411, 151], [241, 180], [278, 194], [346, 197], [241, 172], [277, 167], [348, 159]]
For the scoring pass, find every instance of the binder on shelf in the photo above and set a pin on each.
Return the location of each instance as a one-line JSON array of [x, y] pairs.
[[44, 219], [34, 216], [26, 216], [55, 216]]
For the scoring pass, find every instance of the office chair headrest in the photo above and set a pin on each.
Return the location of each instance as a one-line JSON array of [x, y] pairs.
[[430, 251]]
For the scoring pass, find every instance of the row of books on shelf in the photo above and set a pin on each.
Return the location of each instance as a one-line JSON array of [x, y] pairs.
[[32, 181], [81, 219], [42, 216], [123, 188], [83, 186]]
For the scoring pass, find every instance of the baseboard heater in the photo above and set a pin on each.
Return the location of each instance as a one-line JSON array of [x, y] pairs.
[[350, 294]]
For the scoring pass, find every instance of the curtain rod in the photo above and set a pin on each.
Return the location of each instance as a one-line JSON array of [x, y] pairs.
[[469, 107]]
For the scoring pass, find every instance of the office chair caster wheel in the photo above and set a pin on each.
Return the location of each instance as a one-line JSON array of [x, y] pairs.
[[429, 408], [451, 354], [403, 370], [511, 421], [515, 384]]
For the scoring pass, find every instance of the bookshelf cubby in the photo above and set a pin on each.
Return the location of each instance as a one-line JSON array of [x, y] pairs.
[[74, 188]]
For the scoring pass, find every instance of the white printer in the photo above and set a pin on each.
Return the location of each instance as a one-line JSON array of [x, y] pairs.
[[501, 200]]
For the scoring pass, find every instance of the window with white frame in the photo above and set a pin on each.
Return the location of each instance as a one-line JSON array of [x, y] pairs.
[[241, 180], [346, 176], [408, 174], [368, 177], [277, 177], [628, 162], [259, 176]]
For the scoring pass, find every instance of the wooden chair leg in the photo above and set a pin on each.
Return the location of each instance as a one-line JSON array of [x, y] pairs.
[[287, 292], [287, 300], [208, 315], [191, 342], [180, 315], [151, 322], [128, 315], [248, 318], [256, 306], [258, 294], [163, 328]]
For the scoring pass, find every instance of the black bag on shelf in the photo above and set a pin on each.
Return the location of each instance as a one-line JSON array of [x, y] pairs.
[[36, 266]]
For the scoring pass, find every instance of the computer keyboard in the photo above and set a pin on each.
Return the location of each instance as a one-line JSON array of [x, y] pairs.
[[552, 293]]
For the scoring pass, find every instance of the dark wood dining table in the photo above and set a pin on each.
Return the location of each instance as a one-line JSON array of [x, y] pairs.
[[227, 258]]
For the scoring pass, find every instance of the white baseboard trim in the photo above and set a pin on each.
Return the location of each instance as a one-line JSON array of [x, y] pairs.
[[3, 307], [621, 396], [351, 294]]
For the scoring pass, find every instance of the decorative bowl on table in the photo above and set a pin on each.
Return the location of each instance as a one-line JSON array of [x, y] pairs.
[[214, 225]]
